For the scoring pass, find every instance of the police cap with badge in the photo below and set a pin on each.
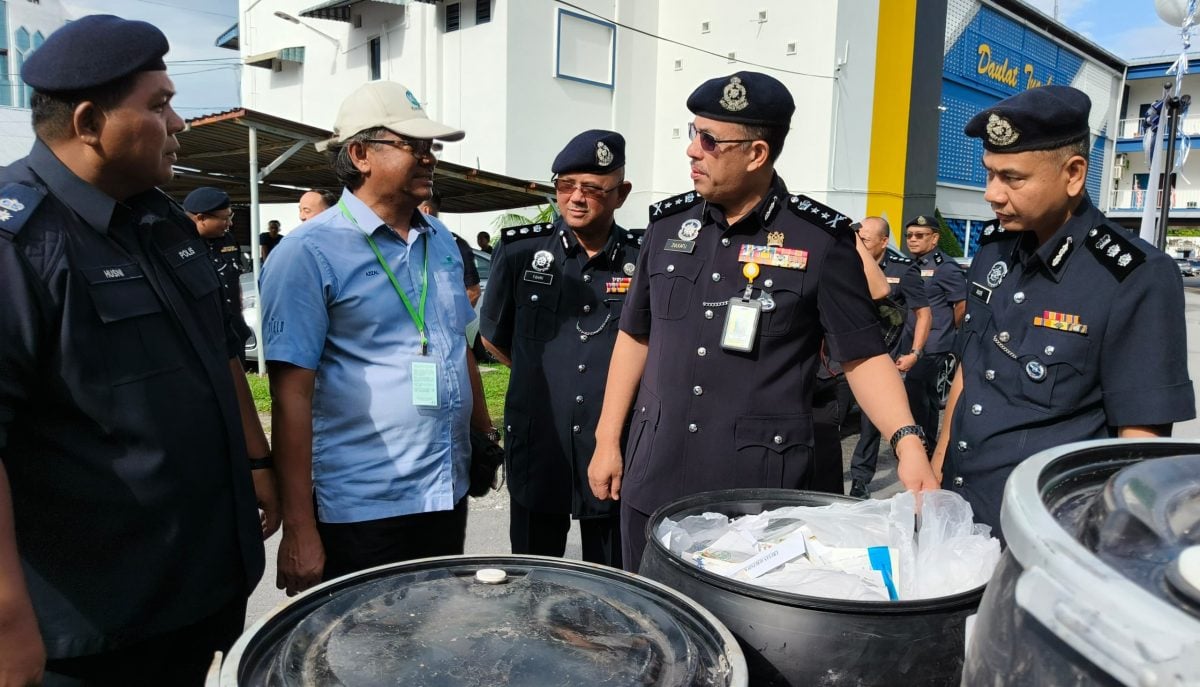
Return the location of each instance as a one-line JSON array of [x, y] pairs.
[[93, 51], [206, 199], [1042, 118], [595, 151], [744, 98]]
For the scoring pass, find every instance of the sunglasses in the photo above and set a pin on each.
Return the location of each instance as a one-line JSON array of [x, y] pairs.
[[568, 187], [419, 148], [708, 142], [918, 234]]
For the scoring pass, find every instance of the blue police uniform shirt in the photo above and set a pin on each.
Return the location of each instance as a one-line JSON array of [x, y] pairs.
[[120, 430], [907, 290], [556, 311], [945, 285], [711, 418], [328, 306], [1058, 345]]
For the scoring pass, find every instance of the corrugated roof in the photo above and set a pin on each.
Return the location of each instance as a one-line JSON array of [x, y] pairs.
[[339, 10], [215, 152]]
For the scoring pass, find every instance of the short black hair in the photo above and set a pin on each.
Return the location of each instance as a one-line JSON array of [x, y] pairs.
[[54, 111], [773, 136], [328, 197]]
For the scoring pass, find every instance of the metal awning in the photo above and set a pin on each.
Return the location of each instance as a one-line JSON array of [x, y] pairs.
[[271, 58], [339, 10], [229, 39]]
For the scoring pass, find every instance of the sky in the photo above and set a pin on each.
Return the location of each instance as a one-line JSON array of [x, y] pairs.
[[206, 77]]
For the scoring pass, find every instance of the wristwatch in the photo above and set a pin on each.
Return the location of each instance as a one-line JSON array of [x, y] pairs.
[[917, 352], [493, 435], [908, 430]]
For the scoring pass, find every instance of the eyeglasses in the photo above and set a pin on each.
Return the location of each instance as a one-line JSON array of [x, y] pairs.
[[220, 218], [568, 187], [708, 142], [918, 234], [419, 148]]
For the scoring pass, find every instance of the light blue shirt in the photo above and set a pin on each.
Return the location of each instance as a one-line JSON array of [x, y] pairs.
[[329, 306]]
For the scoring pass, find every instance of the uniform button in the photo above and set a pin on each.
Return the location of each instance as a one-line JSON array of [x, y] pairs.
[[708, 314], [976, 409], [534, 298], [1019, 297], [579, 399], [989, 375], [716, 276], [587, 308], [693, 428], [1004, 337], [576, 429], [778, 440], [643, 409], [670, 268], [697, 390], [725, 242], [958, 481], [507, 428], [583, 368], [962, 446], [587, 278], [1049, 350], [583, 337], [769, 283], [967, 318], [702, 351]]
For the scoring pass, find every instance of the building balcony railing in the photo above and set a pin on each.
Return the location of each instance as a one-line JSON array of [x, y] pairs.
[[1133, 128], [1181, 199]]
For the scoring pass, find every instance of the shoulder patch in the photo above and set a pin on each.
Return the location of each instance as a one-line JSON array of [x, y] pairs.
[[938, 258], [1114, 250], [819, 214], [510, 234], [673, 205], [17, 203], [992, 232]]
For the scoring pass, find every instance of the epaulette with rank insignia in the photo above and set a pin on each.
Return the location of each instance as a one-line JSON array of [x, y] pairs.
[[819, 214], [510, 234], [674, 204], [633, 237], [1115, 251], [17, 203], [992, 232], [900, 259]]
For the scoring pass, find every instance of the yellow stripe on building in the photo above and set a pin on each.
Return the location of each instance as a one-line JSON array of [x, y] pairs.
[[893, 97]]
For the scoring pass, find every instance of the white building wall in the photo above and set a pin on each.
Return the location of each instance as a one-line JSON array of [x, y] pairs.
[[45, 17]]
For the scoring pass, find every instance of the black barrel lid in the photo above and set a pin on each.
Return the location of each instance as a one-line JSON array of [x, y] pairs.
[[490, 625]]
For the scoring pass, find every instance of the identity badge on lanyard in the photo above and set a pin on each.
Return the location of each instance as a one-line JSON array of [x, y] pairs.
[[741, 317]]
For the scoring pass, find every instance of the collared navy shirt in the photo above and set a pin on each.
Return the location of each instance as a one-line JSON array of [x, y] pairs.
[[558, 320], [908, 291], [710, 418], [119, 426], [1064, 342], [945, 285]]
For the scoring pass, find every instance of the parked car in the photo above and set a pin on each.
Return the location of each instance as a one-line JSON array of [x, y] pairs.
[[1185, 267], [250, 313]]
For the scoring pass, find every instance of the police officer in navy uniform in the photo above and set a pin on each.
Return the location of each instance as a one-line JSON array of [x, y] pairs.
[[129, 537], [736, 285], [553, 302], [905, 291], [946, 291], [210, 211], [1074, 328]]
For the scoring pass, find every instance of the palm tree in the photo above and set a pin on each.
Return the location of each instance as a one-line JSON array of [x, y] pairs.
[[545, 214]]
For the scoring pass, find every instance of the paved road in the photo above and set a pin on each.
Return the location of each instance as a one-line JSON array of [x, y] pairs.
[[488, 521]]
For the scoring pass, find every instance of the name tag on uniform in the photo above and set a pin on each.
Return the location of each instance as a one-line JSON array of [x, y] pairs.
[[893, 280], [741, 325], [679, 246], [981, 292], [539, 277], [424, 384], [926, 273]]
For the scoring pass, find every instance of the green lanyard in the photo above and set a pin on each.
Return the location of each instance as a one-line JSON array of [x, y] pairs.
[[418, 315]]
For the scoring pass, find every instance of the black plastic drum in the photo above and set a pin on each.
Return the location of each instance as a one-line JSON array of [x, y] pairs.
[[797, 640], [488, 621]]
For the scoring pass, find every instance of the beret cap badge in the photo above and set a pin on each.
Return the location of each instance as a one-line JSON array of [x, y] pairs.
[[735, 95], [1000, 131], [604, 156]]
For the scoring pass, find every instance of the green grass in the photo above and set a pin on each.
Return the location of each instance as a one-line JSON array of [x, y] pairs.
[[495, 385]]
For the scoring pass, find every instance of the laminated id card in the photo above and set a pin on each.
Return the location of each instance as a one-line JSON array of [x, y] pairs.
[[741, 324], [424, 384]]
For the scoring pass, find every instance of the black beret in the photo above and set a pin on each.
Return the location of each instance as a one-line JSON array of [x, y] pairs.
[[593, 152], [745, 98], [93, 51], [206, 199], [928, 221], [1043, 118]]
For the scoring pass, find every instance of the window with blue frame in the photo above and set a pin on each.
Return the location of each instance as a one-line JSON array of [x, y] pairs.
[[24, 46], [6, 70]]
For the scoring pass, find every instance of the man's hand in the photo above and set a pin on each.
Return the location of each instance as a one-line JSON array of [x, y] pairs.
[[301, 559], [23, 657], [914, 470], [267, 495], [604, 472], [939, 458], [905, 362]]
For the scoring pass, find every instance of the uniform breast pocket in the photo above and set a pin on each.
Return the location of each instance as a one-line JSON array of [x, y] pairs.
[[973, 331], [190, 262], [672, 281], [774, 450], [1053, 366], [537, 313], [780, 310], [136, 335], [452, 300]]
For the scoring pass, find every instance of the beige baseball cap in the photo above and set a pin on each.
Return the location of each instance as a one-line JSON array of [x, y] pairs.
[[389, 105]]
